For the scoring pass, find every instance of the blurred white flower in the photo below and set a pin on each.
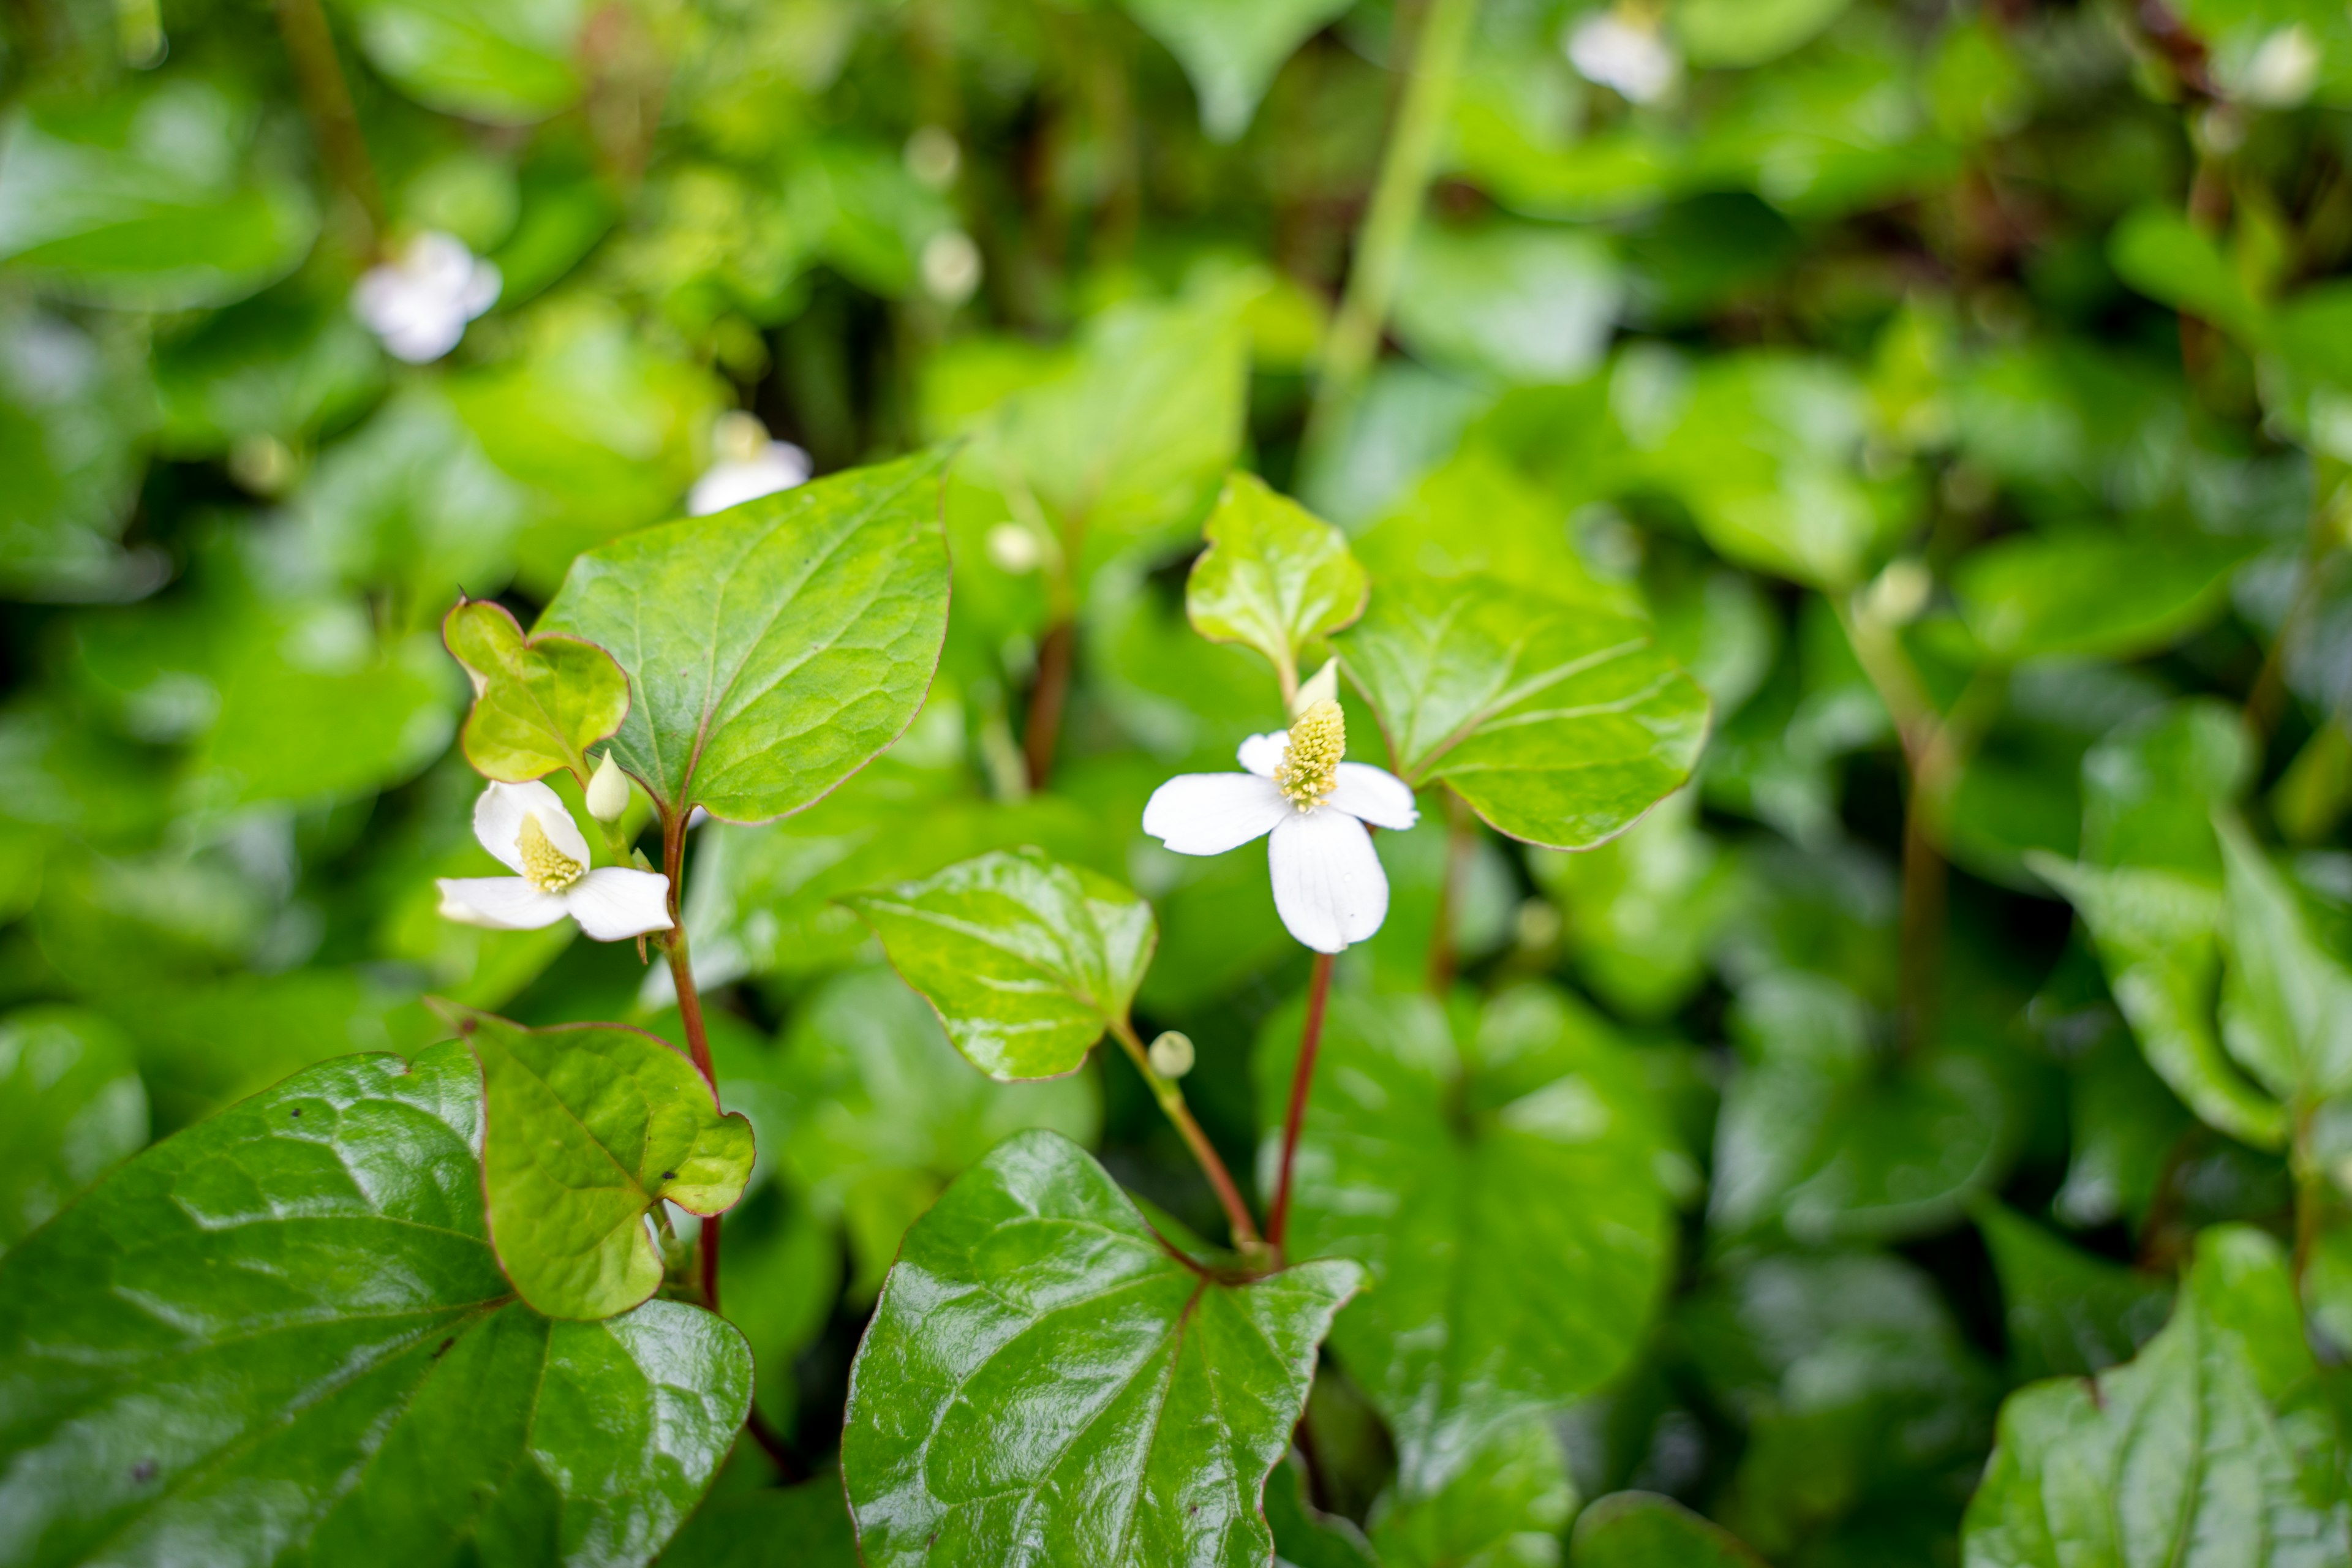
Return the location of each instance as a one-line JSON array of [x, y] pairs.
[[1624, 55], [526, 826], [951, 267], [746, 466], [1015, 549], [419, 302], [933, 157], [2284, 70], [1311, 809]]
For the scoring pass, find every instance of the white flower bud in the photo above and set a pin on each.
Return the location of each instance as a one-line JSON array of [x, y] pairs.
[[1172, 1055], [951, 267], [608, 791], [1323, 686], [1015, 549]]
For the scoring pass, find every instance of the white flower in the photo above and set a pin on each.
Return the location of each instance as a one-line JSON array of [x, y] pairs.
[[1624, 55], [526, 826], [1329, 886], [749, 466], [419, 302], [2284, 71]]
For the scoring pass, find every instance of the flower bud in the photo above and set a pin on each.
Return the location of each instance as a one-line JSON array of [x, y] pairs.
[[1172, 1055], [608, 791], [1323, 686]]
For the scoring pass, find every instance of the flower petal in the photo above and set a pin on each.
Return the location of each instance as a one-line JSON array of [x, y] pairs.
[[1373, 795], [1261, 754], [1329, 886], [498, 822], [501, 903], [615, 901], [1208, 814]]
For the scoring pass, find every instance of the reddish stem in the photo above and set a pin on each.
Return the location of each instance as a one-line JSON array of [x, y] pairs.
[[1171, 1101], [1318, 990], [689, 1015], [1046, 698]]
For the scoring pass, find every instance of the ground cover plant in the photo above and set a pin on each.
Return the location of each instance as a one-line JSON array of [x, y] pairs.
[[1392, 784]]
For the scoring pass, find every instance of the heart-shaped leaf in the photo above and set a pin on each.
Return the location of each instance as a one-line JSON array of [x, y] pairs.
[[771, 650], [1275, 576], [1026, 960], [1505, 1190], [1047, 1379], [538, 702], [1559, 724], [283, 1333], [588, 1125], [1232, 49]]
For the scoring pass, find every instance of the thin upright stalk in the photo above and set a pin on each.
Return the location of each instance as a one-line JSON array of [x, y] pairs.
[[1043, 730], [1213, 1165], [1403, 180], [689, 1015], [1302, 1077], [2268, 694], [327, 100]]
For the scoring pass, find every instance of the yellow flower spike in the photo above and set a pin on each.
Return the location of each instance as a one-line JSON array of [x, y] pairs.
[[1310, 762], [548, 869]]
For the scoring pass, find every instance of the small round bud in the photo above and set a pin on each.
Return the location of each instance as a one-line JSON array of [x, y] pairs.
[[933, 157], [951, 267], [608, 791], [1898, 594], [1172, 1055], [1015, 549], [738, 437]]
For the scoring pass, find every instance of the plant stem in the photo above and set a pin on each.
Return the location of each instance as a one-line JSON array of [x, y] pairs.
[[327, 99], [689, 1015], [1458, 843], [2310, 1196], [1397, 194], [2269, 691], [1044, 728], [1212, 1165], [1311, 1037]]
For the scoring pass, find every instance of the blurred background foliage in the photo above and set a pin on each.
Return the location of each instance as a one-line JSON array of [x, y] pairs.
[[1961, 386]]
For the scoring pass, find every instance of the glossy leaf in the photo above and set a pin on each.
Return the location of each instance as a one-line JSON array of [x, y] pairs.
[[1232, 49], [1275, 576], [587, 1127], [1505, 1510], [1504, 1189], [2066, 1310], [296, 1301], [1046, 1380], [749, 1529], [538, 702], [2196, 1451], [2287, 1003], [1026, 961], [1643, 1529], [771, 650], [1560, 725], [1521, 302], [71, 1105], [1304, 1536]]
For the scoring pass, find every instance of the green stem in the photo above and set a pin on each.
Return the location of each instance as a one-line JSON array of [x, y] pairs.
[[327, 99], [1171, 1101], [1397, 195]]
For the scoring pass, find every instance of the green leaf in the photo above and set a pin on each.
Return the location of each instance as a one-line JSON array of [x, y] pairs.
[[71, 1104], [773, 648], [296, 1301], [1506, 1189], [1643, 1529], [287, 363], [1718, 33], [1026, 961], [2287, 1004], [1046, 1380], [588, 1126], [1517, 301], [503, 62], [2093, 592], [749, 1529], [2067, 1310], [1505, 1510], [539, 702], [1275, 576], [2158, 251], [2190, 1453], [1304, 1536], [1232, 49], [1560, 725], [2151, 786], [880, 1113], [73, 411], [148, 199], [2158, 936]]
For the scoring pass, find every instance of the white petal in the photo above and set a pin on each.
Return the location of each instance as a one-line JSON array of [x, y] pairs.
[[501, 903], [1261, 754], [498, 822], [1373, 795], [614, 901], [1329, 886], [1208, 814]]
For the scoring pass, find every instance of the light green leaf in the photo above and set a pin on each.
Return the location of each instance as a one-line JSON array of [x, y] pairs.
[[1045, 1380], [2151, 786], [71, 1104], [2286, 1012], [2158, 251], [2093, 592], [1026, 961], [538, 702], [1232, 49], [73, 413], [147, 198], [588, 1126], [2158, 936], [1749, 32], [1275, 576], [880, 1113], [1561, 725], [504, 62], [773, 648], [1507, 1190], [1643, 1529], [1505, 1510], [1513, 300], [2190, 1454], [296, 1301]]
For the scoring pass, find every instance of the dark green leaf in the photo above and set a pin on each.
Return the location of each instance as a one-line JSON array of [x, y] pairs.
[[1643, 1529], [2067, 1310], [2094, 591], [805, 1526], [1304, 1536], [71, 1104], [1505, 1510]]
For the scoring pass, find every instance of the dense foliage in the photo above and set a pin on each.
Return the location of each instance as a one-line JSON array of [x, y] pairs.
[[1390, 782]]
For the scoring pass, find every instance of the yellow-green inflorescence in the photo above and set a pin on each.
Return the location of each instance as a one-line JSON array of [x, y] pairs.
[[1310, 764], [545, 866]]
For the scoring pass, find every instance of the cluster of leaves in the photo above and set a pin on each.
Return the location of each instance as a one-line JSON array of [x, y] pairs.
[[1838, 508]]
